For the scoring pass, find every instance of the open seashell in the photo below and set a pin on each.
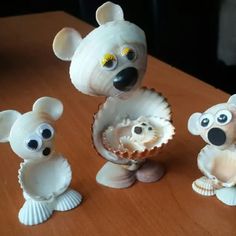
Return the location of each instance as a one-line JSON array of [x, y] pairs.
[[137, 139], [218, 165], [46, 178], [68, 200], [114, 124], [227, 195], [34, 212], [204, 186]]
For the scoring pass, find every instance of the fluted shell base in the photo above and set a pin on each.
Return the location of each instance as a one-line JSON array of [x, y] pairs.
[[68, 200], [204, 186], [118, 176], [227, 196], [35, 212]]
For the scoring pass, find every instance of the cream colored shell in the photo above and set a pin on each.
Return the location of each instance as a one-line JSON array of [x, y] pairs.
[[144, 103], [45, 179], [218, 165]]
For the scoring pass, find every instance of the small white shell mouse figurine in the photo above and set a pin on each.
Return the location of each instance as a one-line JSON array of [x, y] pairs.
[[217, 160], [133, 123], [44, 175]]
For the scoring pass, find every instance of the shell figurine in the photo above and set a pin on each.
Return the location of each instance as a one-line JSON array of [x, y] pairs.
[[45, 175], [133, 123], [217, 160]]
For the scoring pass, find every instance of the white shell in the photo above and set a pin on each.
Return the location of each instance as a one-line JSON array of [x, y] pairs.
[[34, 212], [125, 143], [46, 178], [204, 186], [144, 103], [68, 200], [115, 176], [219, 165], [227, 195]]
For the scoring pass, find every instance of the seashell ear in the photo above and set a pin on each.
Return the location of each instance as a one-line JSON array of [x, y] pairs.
[[52, 106], [65, 43], [193, 123], [109, 12], [232, 99], [7, 119]]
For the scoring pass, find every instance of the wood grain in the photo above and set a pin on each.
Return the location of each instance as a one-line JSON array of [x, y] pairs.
[[28, 70]]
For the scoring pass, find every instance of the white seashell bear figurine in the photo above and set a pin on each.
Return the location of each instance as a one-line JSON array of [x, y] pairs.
[[44, 175], [217, 160], [133, 123]]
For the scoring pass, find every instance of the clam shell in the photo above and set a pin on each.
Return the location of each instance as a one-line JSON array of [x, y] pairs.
[[46, 178], [204, 186], [227, 195], [125, 147], [68, 200], [34, 212], [115, 176], [145, 102], [218, 165]]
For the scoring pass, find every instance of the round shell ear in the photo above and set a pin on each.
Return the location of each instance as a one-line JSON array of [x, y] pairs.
[[109, 12], [193, 123], [52, 106], [7, 119], [65, 43], [232, 99]]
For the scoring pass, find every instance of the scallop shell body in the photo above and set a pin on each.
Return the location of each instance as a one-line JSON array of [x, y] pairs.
[[144, 103], [46, 178], [204, 186], [218, 165]]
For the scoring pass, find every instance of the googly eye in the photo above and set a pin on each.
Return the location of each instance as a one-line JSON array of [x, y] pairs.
[[129, 53], [138, 130], [206, 120], [46, 131], [33, 143], [223, 117], [109, 61]]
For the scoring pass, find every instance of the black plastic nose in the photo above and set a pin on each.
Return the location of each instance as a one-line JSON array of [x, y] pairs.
[[46, 151], [126, 79], [216, 136]]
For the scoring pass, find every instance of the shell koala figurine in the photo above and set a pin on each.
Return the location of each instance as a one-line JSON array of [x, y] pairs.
[[133, 123], [217, 160], [44, 175]]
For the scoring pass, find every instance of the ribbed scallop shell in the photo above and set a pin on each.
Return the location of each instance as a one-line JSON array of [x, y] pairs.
[[46, 178], [204, 186], [132, 149], [218, 165], [227, 195], [145, 102], [34, 212], [68, 200]]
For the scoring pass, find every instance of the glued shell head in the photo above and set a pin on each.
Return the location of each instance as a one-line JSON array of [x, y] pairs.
[[118, 115], [218, 165]]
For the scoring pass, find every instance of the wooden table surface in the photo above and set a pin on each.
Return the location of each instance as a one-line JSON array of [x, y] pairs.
[[29, 70]]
